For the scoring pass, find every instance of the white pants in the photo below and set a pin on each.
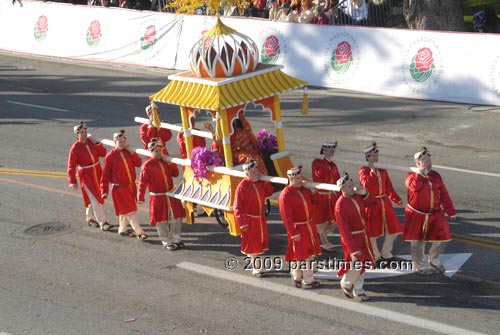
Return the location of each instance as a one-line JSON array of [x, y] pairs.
[[134, 222], [252, 259], [169, 232], [323, 230], [418, 254], [306, 276], [353, 279], [386, 247], [95, 210]]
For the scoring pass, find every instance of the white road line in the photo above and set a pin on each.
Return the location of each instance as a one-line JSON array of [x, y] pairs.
[[37, 106], [489, 174], [361, 308]]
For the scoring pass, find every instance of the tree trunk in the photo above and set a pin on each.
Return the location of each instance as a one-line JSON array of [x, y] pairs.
[[434, 15]]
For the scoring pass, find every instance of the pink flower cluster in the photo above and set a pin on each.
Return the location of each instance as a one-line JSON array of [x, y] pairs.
[[267, 141], [201, 158]]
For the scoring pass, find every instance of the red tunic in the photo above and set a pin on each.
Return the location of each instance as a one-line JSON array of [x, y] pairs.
[[197, 142], [424, 217], [157, 176], [296, 213], [249, 201], [351, 220], [119, 170], [86, 157], [325, 171], [382, 217], [148, 132]]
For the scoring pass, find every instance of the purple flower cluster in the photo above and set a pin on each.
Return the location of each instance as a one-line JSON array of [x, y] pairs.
[[267, 141], [201, 158]]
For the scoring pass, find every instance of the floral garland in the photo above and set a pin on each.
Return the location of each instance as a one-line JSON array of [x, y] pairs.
[[201, 158], [267, 141]]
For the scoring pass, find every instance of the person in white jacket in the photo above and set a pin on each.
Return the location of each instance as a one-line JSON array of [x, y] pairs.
[[274, 11], [286, 14]]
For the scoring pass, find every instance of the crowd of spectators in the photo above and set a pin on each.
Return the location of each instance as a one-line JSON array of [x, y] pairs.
[[333, 12]]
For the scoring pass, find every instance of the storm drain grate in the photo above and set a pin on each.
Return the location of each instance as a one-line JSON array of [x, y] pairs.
[[45, 229]]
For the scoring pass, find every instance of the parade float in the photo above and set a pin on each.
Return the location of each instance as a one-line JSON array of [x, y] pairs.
[[225, 78]]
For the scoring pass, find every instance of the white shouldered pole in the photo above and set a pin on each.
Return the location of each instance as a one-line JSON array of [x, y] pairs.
[[176, 128], [226, 171]]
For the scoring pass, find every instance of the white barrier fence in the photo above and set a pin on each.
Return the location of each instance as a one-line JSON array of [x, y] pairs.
[[457, 67]]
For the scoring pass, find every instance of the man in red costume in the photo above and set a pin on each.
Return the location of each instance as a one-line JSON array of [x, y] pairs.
[[249, 202], [165, 213], [383, 220], [197, 140], [325, 171], [296, 211], [119, 170], [84, 155], [352, 221], [424, 216], [149, 131]]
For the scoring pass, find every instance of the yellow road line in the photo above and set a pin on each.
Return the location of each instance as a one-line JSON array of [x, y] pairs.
[[480, 244], [33, 172], [476, 238]]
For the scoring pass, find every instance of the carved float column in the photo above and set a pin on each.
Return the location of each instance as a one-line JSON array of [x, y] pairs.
[[278, 124]]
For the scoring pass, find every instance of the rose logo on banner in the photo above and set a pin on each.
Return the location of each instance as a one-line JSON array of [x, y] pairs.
[[341, 57], [94, 33], [495, 76], [422, 65], [41, 28], [149, 38], [270, 51]]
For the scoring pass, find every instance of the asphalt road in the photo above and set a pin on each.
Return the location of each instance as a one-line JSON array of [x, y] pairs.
[[78, 280]]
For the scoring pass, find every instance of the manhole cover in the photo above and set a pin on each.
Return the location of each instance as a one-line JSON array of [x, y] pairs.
[[45, 229]]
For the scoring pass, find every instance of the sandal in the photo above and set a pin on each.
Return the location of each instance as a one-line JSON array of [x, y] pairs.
[[106, 226], [328, 248], [314, 284], [259, 274], [172, 246], [93, 223], [439, 268], [142, 237], [298, 283], [363, 297], [426, 272], [347, 291]]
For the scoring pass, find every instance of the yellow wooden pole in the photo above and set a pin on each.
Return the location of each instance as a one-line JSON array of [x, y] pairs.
[[278, 124], [228, 154], [188, 139]]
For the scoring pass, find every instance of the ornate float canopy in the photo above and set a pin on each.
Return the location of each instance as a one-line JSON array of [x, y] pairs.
[[224, 49], [185, 89], [223, 52]]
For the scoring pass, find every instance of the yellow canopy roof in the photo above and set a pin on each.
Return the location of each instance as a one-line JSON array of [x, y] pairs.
[[185, 89]]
